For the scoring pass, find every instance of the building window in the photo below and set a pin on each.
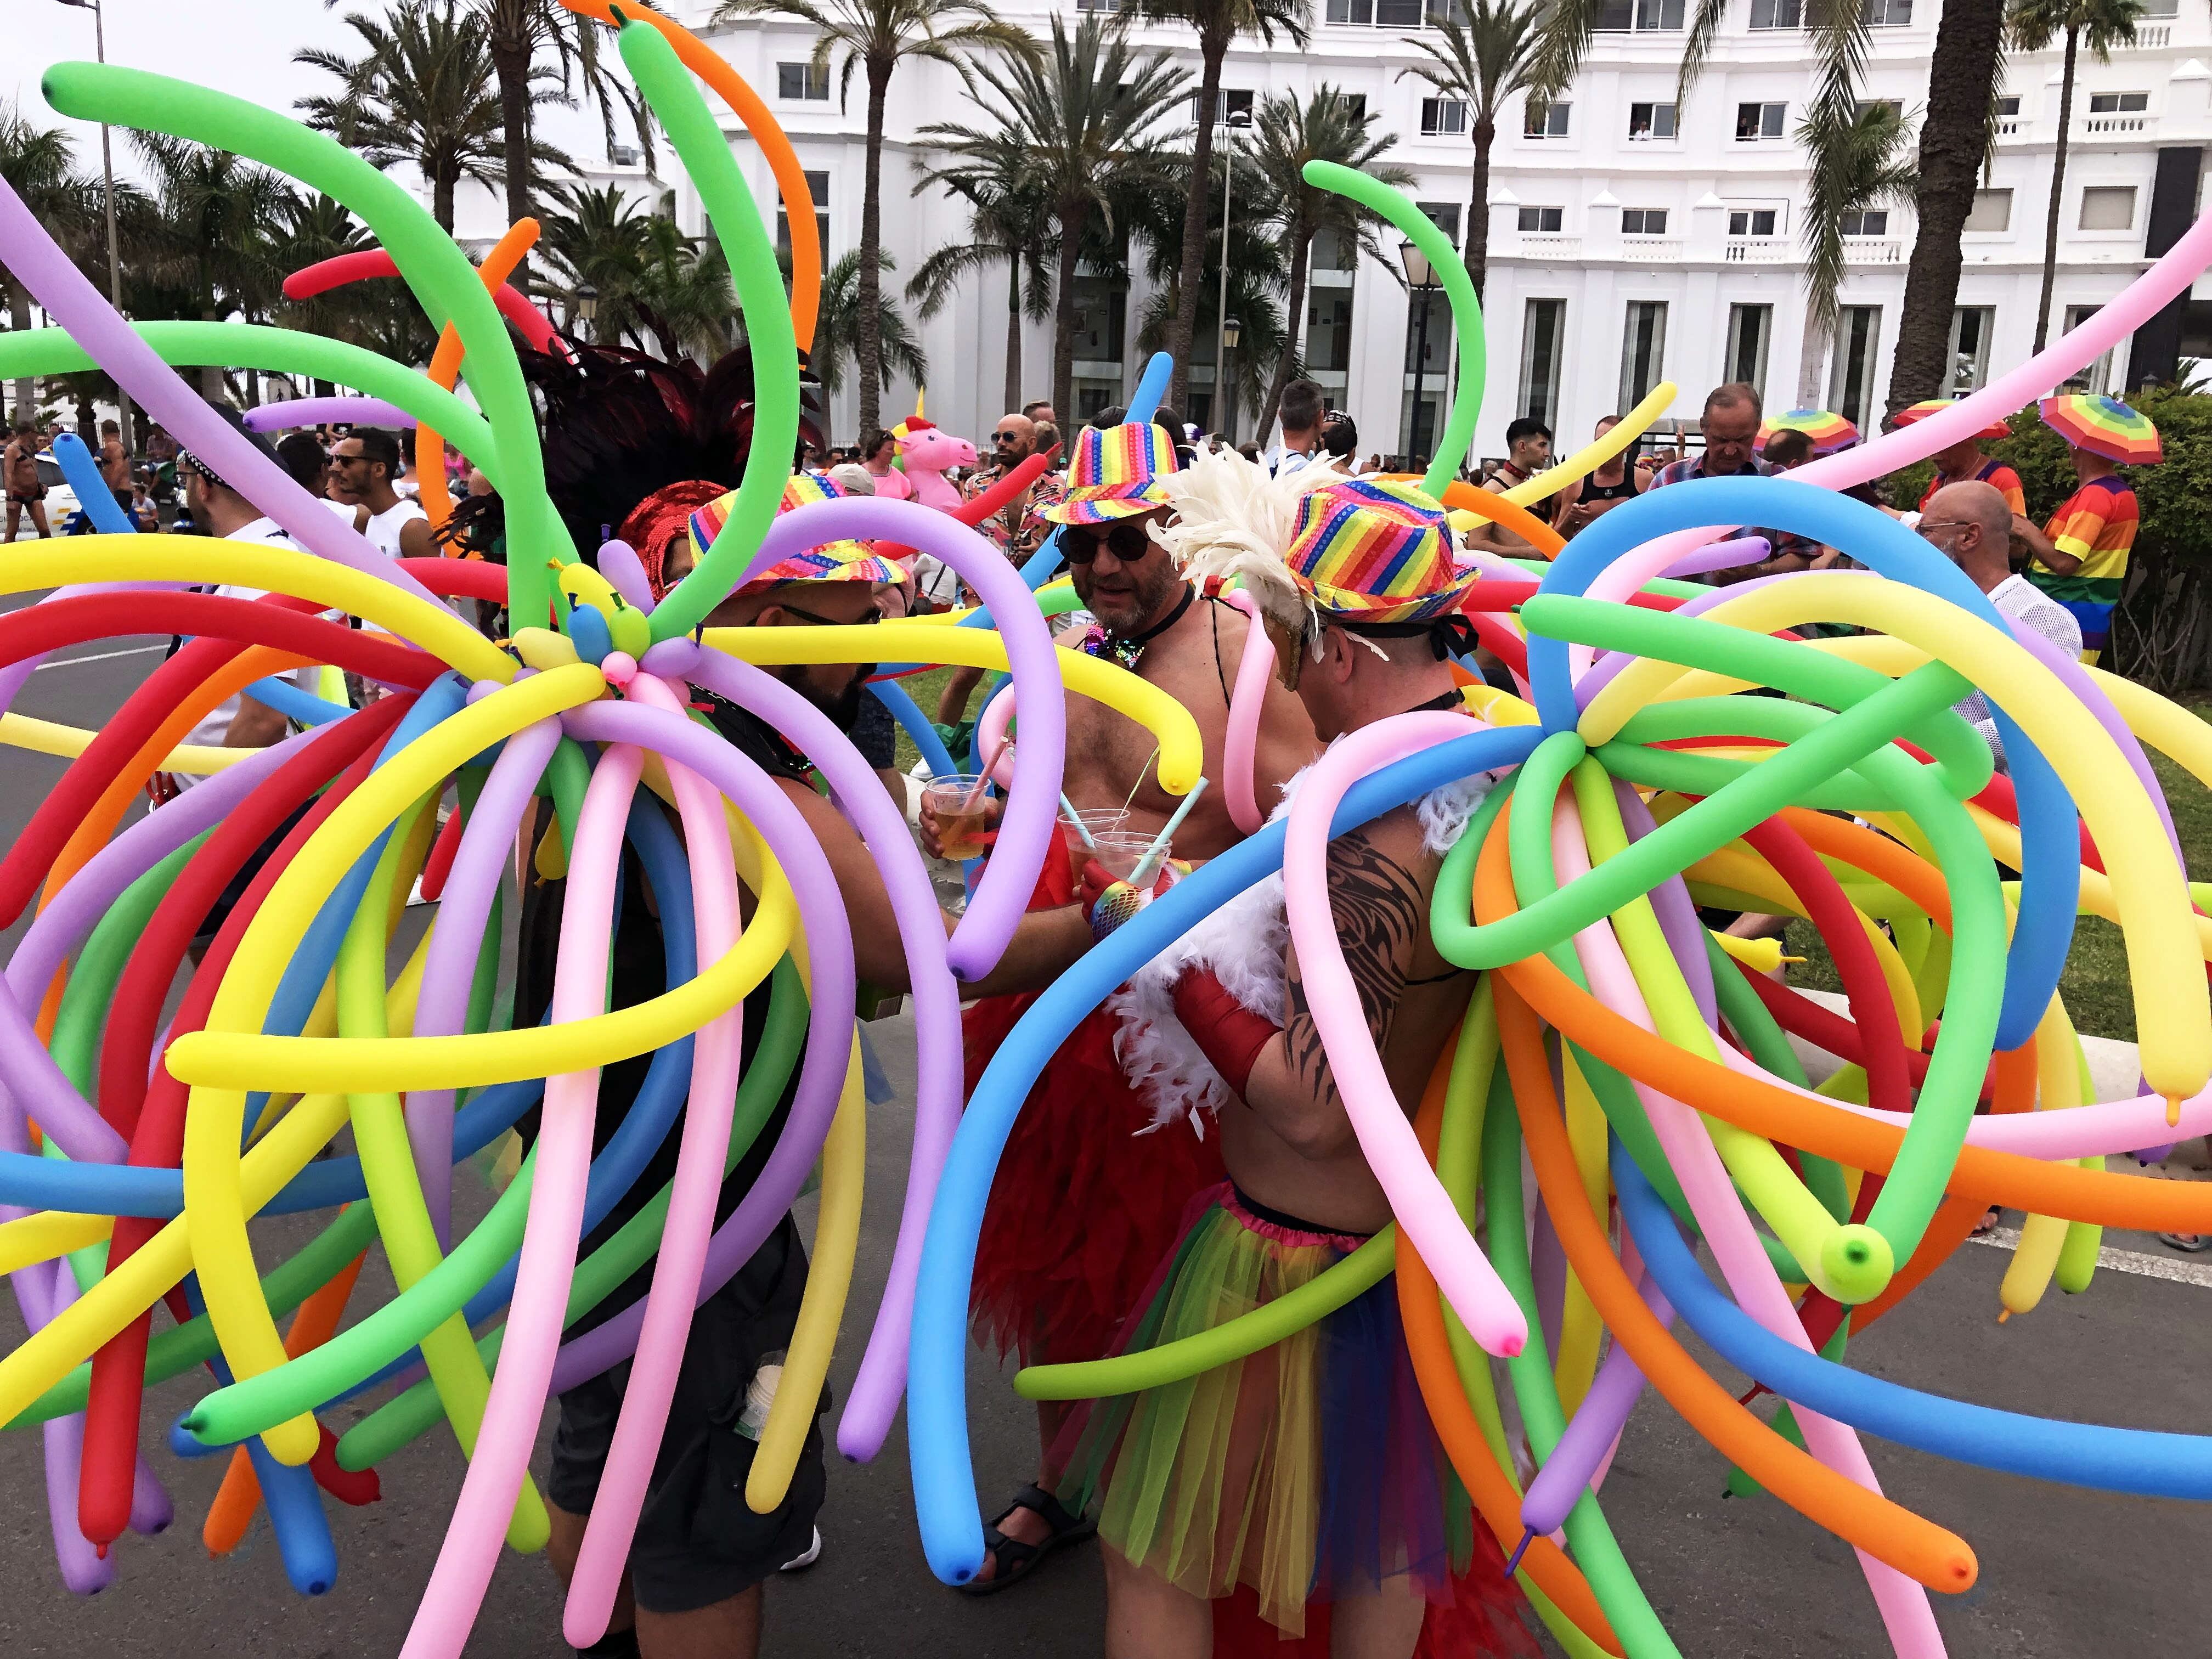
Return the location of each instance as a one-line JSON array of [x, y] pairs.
[[2098, 376], [1889, 14], [1547, 121], [1992, 211], [1541, 221], [2161, 9], [1619, 16], [1869, 221], [1380, 14], [1749, 330], [1777, 13], [1642, 348], [1543, 340], [2108, 207], [1752, 222], [1894, 106], [1755, 122], [1354, 103], [1646, 122], [1644, 222], [1234, 101], [1104, 5], [1850, 379], [2119, 103], [1440, 117], [798, 82], [817, 185], [1971, 328], [1445, 216], [1328, 332], [1331, 250], [2009, 103]]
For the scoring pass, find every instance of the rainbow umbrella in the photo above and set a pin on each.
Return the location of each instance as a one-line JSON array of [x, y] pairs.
[[1922, 411], [2103, 426], [1828, 430]]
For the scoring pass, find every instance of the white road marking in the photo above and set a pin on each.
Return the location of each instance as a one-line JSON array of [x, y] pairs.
[[2181, 1271], [100, 656]]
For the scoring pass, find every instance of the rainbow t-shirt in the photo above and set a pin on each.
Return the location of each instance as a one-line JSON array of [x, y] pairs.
[[1992, 472], [2096, 526]]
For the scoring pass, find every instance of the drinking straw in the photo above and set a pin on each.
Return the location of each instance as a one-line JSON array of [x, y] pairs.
[[1148, 865]]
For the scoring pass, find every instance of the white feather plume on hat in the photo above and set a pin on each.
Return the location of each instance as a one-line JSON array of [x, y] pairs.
[[1233, 520]]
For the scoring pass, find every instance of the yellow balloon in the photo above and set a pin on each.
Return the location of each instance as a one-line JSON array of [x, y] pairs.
[[68, 742], [158, 558], [2173, 1015], [1592, 456], [1182, 755]]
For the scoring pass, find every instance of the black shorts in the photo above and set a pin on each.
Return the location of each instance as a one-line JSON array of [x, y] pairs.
[[698, 1542], [875, 733]]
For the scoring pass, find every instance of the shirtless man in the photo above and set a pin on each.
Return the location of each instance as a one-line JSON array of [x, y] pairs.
[[1046, 1283], [1236, 1456], [19, 468], [115, 464]]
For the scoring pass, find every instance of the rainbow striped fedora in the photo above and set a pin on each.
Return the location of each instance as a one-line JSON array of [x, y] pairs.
[[832, 561], [1375, 552], [1115, 473]]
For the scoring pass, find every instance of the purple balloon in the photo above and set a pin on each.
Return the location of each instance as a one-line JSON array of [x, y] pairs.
[[829, 1028], [1030, 830], [1676, 910], [72, 301], [620, 565], [314, 411], [1596, 1423], [939, 1060], [442, 1003], [1720, 556]]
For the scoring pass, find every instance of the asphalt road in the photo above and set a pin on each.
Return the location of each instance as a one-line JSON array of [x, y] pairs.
[[2063, 1572]]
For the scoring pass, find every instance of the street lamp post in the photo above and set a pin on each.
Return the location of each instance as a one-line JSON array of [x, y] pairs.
[[1421, 276], [587, 309], [1237, 121], [107, 168], [1232, 330]]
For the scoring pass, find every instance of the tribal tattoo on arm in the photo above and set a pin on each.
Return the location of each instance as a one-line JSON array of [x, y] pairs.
[[1377, 903]]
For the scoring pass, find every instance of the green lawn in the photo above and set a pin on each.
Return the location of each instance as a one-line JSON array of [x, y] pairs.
[[924, 688], [2095, 983]]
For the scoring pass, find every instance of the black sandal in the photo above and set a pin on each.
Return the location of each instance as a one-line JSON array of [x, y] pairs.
[[1016, 1558]]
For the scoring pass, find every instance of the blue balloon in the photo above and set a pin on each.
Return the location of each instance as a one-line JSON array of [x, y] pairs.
[[94, 497], [895, 697], [1152, 385], [295, 703], [937, 1369], [2051, 851], [2142, 1461]]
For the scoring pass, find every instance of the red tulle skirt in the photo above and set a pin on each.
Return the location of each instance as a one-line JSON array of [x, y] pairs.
[[1084, 1207]]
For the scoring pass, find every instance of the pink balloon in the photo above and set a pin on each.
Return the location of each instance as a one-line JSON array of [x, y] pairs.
[[1241, 752]]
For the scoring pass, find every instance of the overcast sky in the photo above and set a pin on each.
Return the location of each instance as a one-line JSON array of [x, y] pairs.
[[240, 46]]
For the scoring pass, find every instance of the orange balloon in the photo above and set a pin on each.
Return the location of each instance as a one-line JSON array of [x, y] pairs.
[[1988, 1176], [445, 368], [1916, 1546], [1420, 1308], [1489, 504]]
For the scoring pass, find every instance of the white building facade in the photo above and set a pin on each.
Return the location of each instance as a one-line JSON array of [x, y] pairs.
[[1633, 240]]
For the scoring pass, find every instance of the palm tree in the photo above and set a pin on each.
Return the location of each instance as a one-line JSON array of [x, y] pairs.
[[40, 164], [1216, 23], [1084, 111], [2100, 25], [1256, 277], [596, 238], [838, 331], [1286, 136], [651, 277], [1858, 163], [1481, 61], [1008, 216], [684, 293], [220, 220], [517, 32], [315, 228], [1954, 144], [419, 93], [875, 36]]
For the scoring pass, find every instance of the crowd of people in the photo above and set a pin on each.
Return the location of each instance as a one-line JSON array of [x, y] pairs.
[[1185, 1154]]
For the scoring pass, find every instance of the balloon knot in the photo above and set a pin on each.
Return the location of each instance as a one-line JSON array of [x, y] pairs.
[[620, 668]]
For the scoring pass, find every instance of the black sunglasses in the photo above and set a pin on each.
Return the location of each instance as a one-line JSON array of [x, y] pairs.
[[872, 616], [1125, 541], [1006, 437]]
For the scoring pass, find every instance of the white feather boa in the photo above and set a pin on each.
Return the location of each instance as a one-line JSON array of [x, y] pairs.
[[1243, 944]]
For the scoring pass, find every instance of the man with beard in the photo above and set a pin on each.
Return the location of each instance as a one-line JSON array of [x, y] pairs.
[[1086, 1202], [700, 1554]]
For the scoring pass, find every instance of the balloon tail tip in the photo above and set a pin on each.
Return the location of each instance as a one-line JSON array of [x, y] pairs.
[[1513, 1561], [2004, 1314], [2173, 1111]]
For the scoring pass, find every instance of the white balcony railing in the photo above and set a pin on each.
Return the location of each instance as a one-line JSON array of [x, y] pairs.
[[2154, 37], [2010, 126], [1873, 250], [1756, 251], [1534, 245], [1649, 250], [2135, 124]]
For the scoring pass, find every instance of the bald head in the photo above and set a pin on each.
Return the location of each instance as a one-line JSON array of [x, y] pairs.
[[1972, 523], [1014, 439]]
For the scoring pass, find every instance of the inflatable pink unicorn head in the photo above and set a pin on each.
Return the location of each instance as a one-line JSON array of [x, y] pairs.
[[927, 452]]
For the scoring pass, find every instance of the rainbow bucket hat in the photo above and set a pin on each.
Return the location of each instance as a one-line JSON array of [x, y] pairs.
[[1374, 552], [833, 561], [1115, 473]]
